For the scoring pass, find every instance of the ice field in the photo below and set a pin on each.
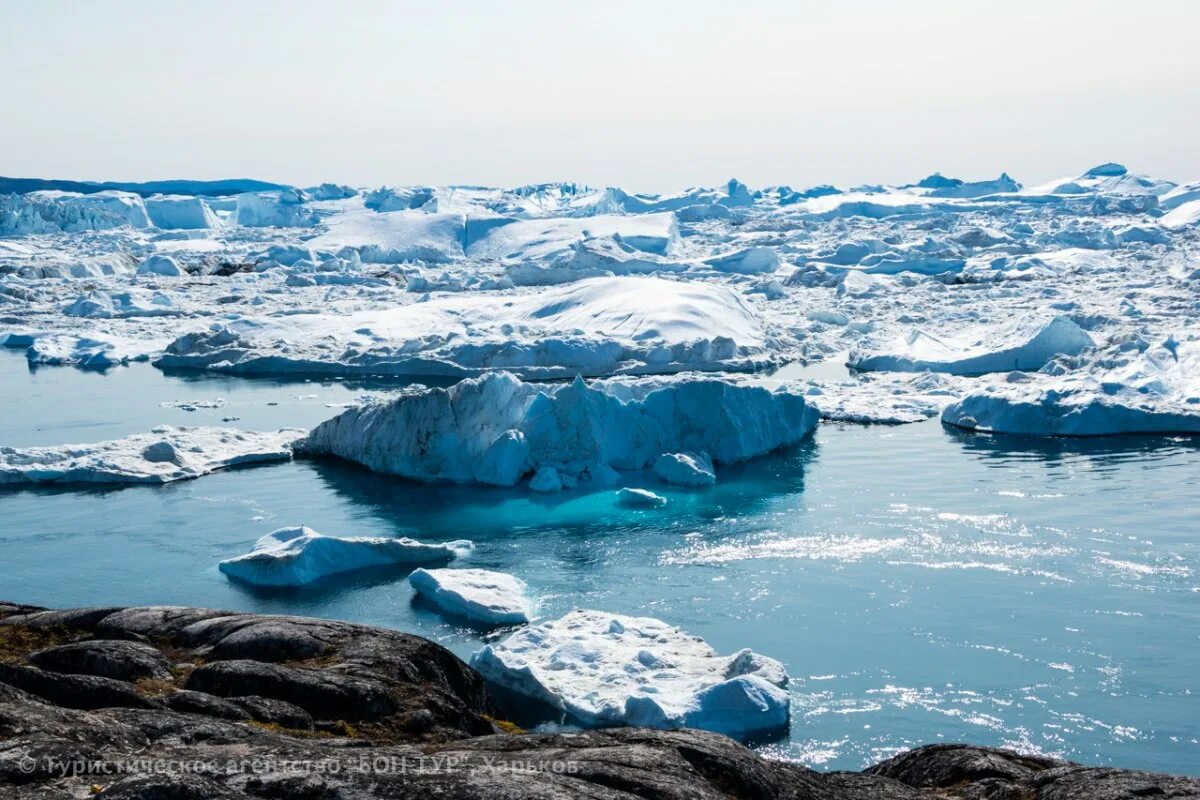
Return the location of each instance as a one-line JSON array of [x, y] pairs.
[[838, 470]]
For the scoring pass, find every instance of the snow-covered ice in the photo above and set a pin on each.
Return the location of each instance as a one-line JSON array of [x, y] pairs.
[[1152, 392], [299, 556], [602, 326], [478, 595], [497, 428], [163, 455], [607, 669], [1026, 344]]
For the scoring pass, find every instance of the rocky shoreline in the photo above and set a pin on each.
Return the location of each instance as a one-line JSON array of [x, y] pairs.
[[173, 703]]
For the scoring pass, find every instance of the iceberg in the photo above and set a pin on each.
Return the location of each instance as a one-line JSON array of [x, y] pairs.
[[603, 669], [747, 261], [478, 595], [286, 208], [163, 455], [1026, 344], [1155, 392], [299, 556], [600, 326], [496, 429], [180, 212], [53, 211], [121, 305], [163, 266]]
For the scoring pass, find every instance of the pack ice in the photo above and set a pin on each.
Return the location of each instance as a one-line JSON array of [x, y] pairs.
[[496, 429], [163, 455], [601, 669], [299, 556], [480, 596], [957, 278]]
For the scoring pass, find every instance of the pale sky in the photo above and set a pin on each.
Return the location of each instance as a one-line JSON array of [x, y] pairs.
[[650, 95]]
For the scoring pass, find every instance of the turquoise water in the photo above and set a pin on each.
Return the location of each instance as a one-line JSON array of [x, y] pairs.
[[920, 585]]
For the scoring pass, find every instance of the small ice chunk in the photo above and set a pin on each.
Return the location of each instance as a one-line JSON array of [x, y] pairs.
[[639, 498], [479, 595], [686, 469]]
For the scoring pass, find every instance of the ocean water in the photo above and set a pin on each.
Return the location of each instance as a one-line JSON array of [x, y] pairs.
[[920, 585]]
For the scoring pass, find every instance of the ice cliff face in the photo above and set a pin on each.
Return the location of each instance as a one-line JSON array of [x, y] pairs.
[[496, 429]]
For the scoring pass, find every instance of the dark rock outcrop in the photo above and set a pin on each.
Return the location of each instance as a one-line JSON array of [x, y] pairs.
[[283, 707], [116, 659]]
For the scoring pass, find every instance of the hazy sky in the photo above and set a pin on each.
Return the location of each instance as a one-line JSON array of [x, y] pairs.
[[649, 94]]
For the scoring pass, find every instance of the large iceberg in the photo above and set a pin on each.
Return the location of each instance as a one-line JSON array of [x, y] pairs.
[[478, 595], [180, 212], [496, 429], [607, 669], [299, 556], [1156, 392], [54, 211], [602, 326], [1024, 344], [163, 455]]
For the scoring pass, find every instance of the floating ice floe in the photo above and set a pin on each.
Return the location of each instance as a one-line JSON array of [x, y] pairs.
[[607, 669], [496, 429], [94, 351], [630, 497], [602, 326], [882, 398], [478, 595], [163, 455], [299, 556], [1155, 392], [1025, 344]]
